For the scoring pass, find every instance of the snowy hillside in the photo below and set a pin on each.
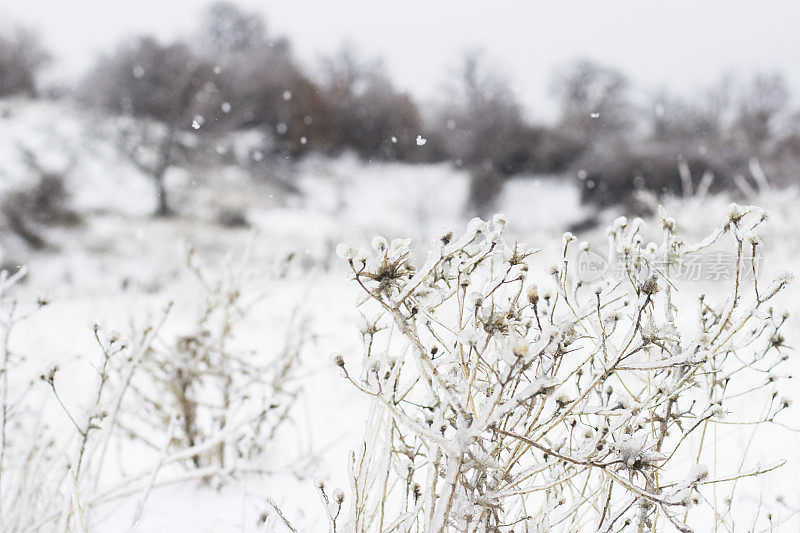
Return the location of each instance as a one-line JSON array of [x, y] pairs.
[[120, 267]]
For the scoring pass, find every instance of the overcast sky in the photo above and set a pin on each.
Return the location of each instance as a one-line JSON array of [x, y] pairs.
[[682, 44]]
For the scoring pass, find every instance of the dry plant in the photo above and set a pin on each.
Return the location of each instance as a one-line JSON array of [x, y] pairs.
[[204, 384], [61, 476], [499, 405], [42, 467], [25, 450], [207, 409]]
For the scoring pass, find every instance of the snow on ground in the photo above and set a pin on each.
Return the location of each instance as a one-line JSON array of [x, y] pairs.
[[121, 266]]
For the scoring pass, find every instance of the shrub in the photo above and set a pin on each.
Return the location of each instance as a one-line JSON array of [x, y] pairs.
[[566, 406], [202, 389], [675, 120], [232, 218], [762, 102], [28, 210], [610, 178], [594, 100], [553, 151], [146, 78], [264, 88]]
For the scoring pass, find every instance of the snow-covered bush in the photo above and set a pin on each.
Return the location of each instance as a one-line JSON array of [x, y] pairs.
[[558, 406]]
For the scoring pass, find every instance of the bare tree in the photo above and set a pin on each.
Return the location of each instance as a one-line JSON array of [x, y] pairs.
[[226, 30], [482, 128], [593, 99], [369, 114], [759, 104], [675, 119], [260, 83], [162, 82], [484, 118]]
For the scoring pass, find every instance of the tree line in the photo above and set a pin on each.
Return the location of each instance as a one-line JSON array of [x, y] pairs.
[[233, 74]]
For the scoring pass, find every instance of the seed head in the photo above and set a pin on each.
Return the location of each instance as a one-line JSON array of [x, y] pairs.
[[469, 338], [499, 220], [338, 496], [519, 347], [533, 294], [380, 244], [650, 286], [476, 298], [733, 213], [346, 251], [476, 225], [446, 236], [752, 238], [698, 473]]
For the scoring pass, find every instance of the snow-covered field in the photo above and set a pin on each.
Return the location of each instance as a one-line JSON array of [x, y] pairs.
[[120, 268]]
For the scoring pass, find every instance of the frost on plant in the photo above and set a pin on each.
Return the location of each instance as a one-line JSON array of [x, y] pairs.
[[204, 387], [500, 404], [203, 406]]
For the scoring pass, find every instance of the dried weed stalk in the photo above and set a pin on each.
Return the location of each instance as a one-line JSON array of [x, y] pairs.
[[205, 383]]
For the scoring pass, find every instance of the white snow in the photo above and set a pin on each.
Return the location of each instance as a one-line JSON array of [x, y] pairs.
[[123, 266]]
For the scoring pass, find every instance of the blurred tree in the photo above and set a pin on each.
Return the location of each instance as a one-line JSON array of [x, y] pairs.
[[259, 83], [162, 82], [21, 59], [786, 157], [483, 119], [227, 30], [594, 101], [369, 115], [675, 119], [758, 106], [699, 125], [481, 127], [717, 101]]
